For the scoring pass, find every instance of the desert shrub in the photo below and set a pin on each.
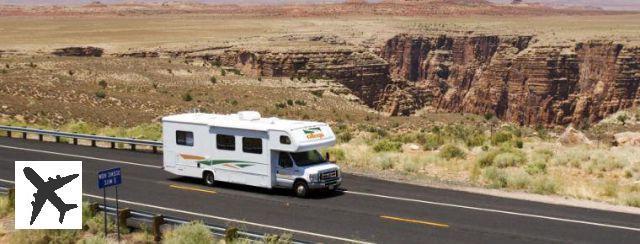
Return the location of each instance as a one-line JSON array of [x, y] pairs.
[[412, 165], [301, 102], [451, 151], [6, 206], [96, 239], [542, 155], [101, 94], [344, 137], [194, 232], [187, 97], [537, 167], [149, 131], [280, 105], [573, 156], [45, 236], [213, 80], [519, 143], [500, 137], [603, 162], [278, 239], [609, 188], [386, 145], [79, 127], [223, 72], [475, 139], [495, 177], [633, 200], [86, 213], [336, 154], [431, 141], [509, 159], [95, 224], [289, 102], [103, 84], [384, 161], [513, 157], [518, 180], [544, 185]]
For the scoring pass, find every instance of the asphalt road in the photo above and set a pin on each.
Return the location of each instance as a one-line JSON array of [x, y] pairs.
[[368, 210]]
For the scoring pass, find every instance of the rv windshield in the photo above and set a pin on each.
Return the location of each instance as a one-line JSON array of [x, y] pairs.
[[307, 158]]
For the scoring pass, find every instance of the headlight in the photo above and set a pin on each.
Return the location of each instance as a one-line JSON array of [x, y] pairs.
[[313, 177]]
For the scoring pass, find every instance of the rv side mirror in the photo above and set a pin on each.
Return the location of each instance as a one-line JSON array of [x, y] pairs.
[[326, 154]]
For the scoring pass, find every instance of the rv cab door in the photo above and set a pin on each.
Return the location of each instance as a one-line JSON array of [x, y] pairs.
[[284, 170]]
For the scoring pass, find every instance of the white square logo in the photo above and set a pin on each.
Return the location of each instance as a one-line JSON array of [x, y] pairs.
[[48, 195]]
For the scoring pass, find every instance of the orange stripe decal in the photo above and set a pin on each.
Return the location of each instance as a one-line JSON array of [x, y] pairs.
[[191, 157]]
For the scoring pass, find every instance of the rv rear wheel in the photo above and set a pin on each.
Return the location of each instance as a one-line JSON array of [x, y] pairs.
[[301, 189], [208, 178]]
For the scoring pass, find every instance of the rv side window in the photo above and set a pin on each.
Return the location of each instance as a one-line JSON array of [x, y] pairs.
[[285, 140], [184, 138], [226, 142], [252, 145]]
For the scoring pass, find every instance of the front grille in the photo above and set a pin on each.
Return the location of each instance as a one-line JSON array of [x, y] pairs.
[[331, 175]]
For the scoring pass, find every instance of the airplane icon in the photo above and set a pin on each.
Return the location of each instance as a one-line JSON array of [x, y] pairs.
[[46, 191]]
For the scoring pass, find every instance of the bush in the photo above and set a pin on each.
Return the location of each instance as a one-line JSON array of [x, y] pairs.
[[501, 137], [95, 225], [544, 186], [451, 151], [345, 137], [103, 84], [317, 93], [514, 157], [45, 236], [509, 159], [387, 146], [538, 167], [187, 97], [278, 239], [101, 94], [97, 239], [411, 165], [518, 181], [609, 189], [6, 206], [194, 232], [213, 80], [384, 162], [495, 177], [431, 141], [633, 200], [300, 102], [280, 105]]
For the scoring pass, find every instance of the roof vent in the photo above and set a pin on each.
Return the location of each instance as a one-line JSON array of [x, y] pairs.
[[249, 115]]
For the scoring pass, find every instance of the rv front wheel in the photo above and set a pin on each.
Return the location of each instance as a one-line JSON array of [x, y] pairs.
[[208, 178], [301, 189]]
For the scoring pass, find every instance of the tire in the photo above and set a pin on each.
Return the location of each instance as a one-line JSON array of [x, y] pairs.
[[301, 189], [208, 178]]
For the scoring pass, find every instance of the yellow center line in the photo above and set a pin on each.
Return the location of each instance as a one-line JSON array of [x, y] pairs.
[[192, 189], [441, 225]]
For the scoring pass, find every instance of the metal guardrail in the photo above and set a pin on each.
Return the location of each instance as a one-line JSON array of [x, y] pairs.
[[148, 217], [75, 136]]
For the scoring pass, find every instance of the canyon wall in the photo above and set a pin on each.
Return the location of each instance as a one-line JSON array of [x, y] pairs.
[[511, 78]]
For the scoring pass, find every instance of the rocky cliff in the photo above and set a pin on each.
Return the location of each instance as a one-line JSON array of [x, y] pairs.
[[511, 78]]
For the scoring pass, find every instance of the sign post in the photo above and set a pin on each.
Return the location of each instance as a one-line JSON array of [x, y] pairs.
[[108, 178]]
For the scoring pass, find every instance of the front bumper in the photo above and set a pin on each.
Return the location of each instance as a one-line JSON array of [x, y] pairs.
[[328, 184]]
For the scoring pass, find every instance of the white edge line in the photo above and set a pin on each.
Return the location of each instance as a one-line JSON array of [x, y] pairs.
[[495, 211], [222, 218], [80, 156]]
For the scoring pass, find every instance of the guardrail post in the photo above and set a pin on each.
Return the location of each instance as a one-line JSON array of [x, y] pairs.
[[24, 135], [158, 220], [75, 141], [9, 133], [133, 147], [40, 137], [93, 143], [57, 139], [113, 145], [155, 149], [123, 215]]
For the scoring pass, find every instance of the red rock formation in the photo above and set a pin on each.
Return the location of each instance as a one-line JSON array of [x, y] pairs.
[[506, 76]]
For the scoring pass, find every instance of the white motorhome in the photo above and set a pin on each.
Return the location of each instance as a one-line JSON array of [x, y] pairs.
[[244, 148]]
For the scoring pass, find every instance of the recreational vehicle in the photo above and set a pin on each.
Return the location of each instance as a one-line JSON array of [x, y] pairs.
[[244, 148]]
